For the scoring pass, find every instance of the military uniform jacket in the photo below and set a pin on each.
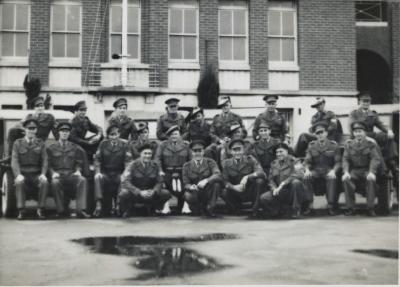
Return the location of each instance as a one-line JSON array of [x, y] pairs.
[[221, 124], [213, 151], [233, 171], [141, 176], [282, 172], [362, 155], [193, 172], [322, 158], [370, 118], [126, 126], [136, 144], [166, 121], [264, 152], [46, 123], [80, 126], [112, 157], [276, 121], [29, 158], [66, 159], [327, 117], [170, 155], [200, 131]]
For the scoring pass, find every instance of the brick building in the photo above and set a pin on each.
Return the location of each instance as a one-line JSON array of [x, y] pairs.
[[299, 49]]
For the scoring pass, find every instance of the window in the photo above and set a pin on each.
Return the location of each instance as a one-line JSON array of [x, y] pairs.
[[183, 31], [14, 29], [371, 11], [133, 29], [282, 30], [233, 31], [65, 30]]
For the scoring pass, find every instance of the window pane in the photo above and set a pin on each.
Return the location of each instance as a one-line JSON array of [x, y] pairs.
[[288, 50], [73, 45], [22, 17], [175, 47], [239, 22], [116, 44], [116, 18], [73, 18], [239, 49], [189, 47], [21, 44], [273, 49], [225, 22], [287, 22], [225, 50], [58, 18], [58, 45], [274, 23], [176, 21], [133, 47], [7, 44], [133, 20], [190, 21], [8, 17]]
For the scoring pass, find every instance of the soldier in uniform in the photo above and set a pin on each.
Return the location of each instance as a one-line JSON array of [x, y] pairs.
[[273, 118], [119, 118], [67, 162], [361, 160], [81, 124], [29, 165], [46, 121], [329, 118], [170, 156], [171, 118], [236, 131], [202, 180], [142, 183], [323, 163], [143, 139], [198, 128], [286, 188], [110, 161], [244, 178]]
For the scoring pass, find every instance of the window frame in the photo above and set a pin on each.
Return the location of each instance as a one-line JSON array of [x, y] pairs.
[[138, 5], [372, 23], [182, 5], [15, 31]]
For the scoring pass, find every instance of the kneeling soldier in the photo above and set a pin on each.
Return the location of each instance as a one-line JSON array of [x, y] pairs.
[[244, 178], [202, 180], [29, 165], [66, 162], [142, 184], [110, 160], [360, 163]]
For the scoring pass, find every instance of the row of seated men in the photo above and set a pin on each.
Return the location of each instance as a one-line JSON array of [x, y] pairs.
[[197, 165]]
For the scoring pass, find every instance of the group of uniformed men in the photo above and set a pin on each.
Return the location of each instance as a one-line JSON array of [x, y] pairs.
[[198, 162]]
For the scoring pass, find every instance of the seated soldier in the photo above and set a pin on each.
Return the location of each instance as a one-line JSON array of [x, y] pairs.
[[286, 188], [110, 160], [120, 119], [46, 121], [67, 162], [143, 139], [323, 162], [202, 180], [142, 183], [198, 128], [244, 179], [361, 160], [29, 165]]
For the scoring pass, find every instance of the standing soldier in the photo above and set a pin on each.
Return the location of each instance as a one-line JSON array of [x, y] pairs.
[[244, 179], [361, 160], [198, 128], [143, 139], [323, 162], [329, 118], [142, 184], [171, 155], [171, 118], [109, 161], [67, 161], [119, 118], [80, 126], [202, 180], [273, 118], [29, 165], [46, 121]]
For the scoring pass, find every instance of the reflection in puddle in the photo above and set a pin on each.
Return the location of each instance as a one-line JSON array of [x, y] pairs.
[[163, 256], [386, 253]]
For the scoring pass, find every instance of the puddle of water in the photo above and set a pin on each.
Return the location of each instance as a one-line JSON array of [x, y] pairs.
[[162, 256], [385, 253]]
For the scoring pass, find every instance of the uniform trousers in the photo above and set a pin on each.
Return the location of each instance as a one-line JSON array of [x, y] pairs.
[[106, 189], [127, 199], [204, 199], [31, 187], [359, 181], [318, 180]]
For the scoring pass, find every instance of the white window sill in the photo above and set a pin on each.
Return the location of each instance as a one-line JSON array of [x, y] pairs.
[[232, 66], [65, 63], [288, 67], [131, 65], [184, 66], [371, 24], [9, 62]]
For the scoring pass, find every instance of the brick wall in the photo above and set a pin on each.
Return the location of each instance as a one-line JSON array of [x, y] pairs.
[[39, 41], [327, 44], [258, 44], [395, 24], [145, 31]]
